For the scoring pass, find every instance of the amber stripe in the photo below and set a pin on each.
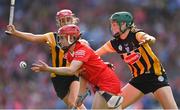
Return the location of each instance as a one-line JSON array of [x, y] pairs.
[[156, 65]]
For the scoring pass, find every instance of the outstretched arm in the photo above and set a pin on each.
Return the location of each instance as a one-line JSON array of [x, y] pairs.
[[11, 30], [106, 48], [71, 70]]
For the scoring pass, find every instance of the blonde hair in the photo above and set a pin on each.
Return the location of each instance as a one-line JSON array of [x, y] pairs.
[[75, 20], [134, 28]]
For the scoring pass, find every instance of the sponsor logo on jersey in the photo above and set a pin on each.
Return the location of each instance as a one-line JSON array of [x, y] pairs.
[[80, 53], [132, 58]]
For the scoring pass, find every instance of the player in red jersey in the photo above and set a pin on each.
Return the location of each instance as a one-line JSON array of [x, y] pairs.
[[97, 72]]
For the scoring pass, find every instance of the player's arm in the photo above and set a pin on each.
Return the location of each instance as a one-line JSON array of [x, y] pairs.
[[83, 92], [106, 48], [67, 71], [145, 38], [41, 38], [83, 86]]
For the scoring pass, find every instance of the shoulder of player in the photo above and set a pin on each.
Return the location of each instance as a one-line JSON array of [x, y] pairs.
[[82, 48], [51, 38], [50, 33], [140, 35], [136, 30]]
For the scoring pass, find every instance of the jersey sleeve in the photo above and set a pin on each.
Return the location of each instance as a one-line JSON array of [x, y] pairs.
[[114, 44], [140, 36], [50, 39], [82, 55]]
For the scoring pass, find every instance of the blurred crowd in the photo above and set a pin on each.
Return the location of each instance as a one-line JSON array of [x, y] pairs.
[[24, 89]]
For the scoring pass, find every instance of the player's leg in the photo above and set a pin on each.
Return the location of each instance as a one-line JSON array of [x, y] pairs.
[[105, 100], [99, 102], [165, 97], [61, 85], [65, 99], [73, 94], [130, 95]]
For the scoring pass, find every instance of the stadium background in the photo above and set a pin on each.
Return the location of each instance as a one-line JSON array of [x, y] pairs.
[[24, 89]]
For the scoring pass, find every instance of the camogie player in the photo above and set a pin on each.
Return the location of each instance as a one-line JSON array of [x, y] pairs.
[[66, 87], [132, 45], [97, 73]]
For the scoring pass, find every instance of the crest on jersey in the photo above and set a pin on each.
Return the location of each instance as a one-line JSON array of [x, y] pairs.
[[127, 48], [120, 47]]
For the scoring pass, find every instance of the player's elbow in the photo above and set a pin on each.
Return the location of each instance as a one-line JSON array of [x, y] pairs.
[[70, 71], [153, 40]]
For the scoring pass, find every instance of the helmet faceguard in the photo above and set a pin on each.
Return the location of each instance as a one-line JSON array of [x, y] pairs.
[[65, 17], [121, 17], [69, 32]]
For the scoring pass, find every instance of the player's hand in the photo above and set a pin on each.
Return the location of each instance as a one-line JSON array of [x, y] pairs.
[[80, 72], [10, 29], [40, 67], [110, 65], [145, 40]]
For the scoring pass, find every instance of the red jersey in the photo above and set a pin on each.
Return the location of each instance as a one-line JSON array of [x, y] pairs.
[[97, 72]]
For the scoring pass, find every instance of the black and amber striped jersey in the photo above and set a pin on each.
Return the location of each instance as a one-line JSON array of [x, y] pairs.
[[57, 53], [140, 58]]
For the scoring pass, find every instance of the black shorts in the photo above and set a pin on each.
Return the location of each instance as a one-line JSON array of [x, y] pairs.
[[147, 83], [62, 84]]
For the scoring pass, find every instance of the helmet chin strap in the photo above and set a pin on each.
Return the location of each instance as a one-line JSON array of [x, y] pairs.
[[69, 40], [116, 36], [66, 48], [123, 30]]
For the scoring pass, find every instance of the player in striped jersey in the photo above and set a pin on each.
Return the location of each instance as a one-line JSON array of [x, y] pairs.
[[132, 45], [66, 87]]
